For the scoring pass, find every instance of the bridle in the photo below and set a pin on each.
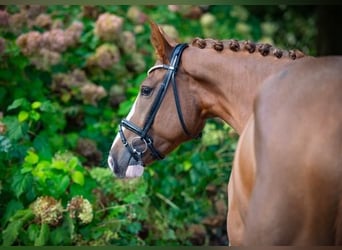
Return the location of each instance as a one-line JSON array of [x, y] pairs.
[[142, 133]]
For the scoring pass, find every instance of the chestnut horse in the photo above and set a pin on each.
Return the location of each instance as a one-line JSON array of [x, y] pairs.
[[285, 186]]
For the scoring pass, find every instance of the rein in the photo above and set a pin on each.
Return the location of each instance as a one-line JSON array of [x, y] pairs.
[[142, 133]]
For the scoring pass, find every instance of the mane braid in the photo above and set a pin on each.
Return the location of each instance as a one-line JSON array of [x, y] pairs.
[[264, 49]]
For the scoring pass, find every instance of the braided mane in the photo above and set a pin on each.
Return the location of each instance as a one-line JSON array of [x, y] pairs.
[[264, 49]]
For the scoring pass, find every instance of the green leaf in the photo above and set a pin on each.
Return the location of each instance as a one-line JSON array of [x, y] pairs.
[[78, 177], [36, 105], [47, 106], [11, 232], [21, 183], [63, 185], [5, 144], [15, 128], [134, 227], [11, 207], [63, 234], [18, 103], [34, 115], [43, 235], [187, 165], [125, 107], [31, 158], [73, 163], [33, 232], [22, 116], [42, 145]]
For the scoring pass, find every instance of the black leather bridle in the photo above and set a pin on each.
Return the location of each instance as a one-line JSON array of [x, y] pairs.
[[142, 133]]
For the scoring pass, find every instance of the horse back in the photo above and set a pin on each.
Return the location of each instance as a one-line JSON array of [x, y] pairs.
[[298, 152]]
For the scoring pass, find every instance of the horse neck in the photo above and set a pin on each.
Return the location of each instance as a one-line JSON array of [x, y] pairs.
[[226, 82]]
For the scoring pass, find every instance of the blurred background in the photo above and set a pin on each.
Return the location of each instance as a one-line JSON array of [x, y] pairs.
[[69, 74]]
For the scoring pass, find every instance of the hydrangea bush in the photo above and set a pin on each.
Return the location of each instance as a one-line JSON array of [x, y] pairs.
[[68, 74]]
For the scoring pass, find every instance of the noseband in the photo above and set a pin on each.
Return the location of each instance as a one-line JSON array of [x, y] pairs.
[[142, 133]]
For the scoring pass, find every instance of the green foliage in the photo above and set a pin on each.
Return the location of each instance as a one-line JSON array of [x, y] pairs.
[[60, 102]]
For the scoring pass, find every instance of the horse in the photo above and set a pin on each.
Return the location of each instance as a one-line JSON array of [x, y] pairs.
[[285, 186]]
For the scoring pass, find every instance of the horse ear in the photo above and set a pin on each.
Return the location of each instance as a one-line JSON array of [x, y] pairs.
[[161, 42]]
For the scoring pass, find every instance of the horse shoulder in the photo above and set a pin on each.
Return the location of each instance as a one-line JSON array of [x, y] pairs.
[[241, 184], [298, 143]]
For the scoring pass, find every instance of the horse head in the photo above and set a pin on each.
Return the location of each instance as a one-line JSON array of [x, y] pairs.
[[164, 114]]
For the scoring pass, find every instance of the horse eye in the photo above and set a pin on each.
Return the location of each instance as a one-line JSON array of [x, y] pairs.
[[146, 91]]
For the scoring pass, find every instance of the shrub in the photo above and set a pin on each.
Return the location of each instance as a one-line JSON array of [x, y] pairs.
[[68, 74]]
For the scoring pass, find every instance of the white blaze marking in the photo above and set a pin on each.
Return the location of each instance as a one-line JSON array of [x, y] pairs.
[[129, 116]]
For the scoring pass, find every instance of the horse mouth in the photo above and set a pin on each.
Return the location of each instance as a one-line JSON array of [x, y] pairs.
[[133, 170]]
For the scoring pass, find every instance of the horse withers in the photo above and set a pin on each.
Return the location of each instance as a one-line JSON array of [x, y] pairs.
[[284, 188]]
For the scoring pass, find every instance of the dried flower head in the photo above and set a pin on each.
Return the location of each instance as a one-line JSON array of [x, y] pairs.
[[43, 21], [62, 83], [208, 20], [117, 95], [47, 210], [88, 149], [81, 209], [187, 11], [90, 11], [77, 85], [57, 24], [108, 27], [55, 40], [127, 42], [136, 15], [32, 11], [16, 22], [171, 31], [105, 56], [45, 59], [79, 76], [73, 33], [137, 63], [4, 18], [92, 93], [30, 43]]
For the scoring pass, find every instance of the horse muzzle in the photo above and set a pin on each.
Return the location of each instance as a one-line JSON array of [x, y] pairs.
[[133, 170]]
